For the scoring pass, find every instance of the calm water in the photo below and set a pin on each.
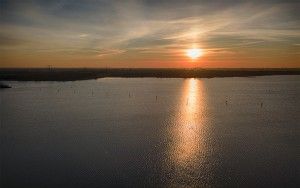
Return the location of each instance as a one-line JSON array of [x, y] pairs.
[[152, 132]]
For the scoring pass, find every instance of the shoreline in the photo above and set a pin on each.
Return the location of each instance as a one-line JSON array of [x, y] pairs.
[[67, 74]]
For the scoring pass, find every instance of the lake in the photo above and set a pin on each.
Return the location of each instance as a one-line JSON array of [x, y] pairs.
[[152, 132]]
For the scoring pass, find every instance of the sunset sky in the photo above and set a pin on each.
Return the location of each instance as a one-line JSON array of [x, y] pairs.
[[149, 33]]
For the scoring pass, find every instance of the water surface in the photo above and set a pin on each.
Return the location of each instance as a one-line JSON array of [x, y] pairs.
[[151, 132]]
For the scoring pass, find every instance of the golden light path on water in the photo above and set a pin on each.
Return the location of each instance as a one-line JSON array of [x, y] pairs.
[[187, 151]]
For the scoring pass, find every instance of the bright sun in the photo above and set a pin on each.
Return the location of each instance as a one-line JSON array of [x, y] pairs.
[[194, 53]]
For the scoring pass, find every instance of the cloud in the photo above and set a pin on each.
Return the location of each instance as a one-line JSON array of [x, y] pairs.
[[109, 52], [10, 41], [105, 28]]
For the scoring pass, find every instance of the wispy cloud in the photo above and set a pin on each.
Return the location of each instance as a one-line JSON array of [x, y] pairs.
[[112, 28], [109, 52]]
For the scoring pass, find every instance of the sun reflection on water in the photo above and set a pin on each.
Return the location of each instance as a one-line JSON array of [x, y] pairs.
[[187, 149]]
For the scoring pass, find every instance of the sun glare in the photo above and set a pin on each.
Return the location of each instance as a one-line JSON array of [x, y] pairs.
[[194, 53]]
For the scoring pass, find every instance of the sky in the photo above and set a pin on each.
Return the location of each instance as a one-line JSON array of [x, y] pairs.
[[149, 33]]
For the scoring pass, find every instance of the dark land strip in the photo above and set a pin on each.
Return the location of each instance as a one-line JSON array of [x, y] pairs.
[[64, 74]]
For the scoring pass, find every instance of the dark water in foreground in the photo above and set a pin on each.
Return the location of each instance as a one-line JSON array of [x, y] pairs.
[[151, 133]]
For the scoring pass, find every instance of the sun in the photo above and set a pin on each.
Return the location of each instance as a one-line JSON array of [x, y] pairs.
[[194, 53]]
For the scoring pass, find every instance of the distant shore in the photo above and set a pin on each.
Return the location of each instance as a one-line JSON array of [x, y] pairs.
[[63, 74]]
